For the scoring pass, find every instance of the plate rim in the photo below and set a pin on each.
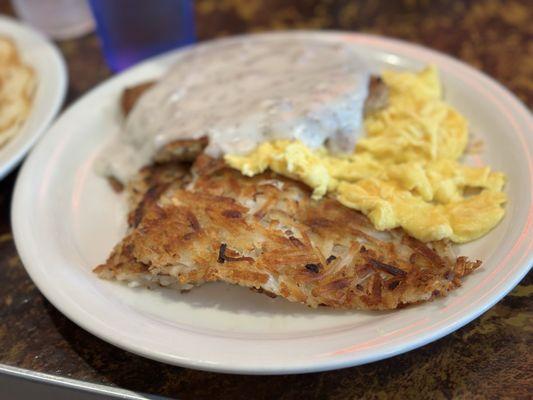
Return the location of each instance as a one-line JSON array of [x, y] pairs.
[[16, 154], [324, 365]]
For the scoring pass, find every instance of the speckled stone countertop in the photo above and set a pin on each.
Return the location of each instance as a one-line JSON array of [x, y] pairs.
[[489, 358]]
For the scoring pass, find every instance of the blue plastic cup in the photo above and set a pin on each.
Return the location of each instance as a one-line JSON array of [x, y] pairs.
[[132, 30]]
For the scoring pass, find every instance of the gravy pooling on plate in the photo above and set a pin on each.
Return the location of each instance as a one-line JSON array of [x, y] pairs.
[[240, 95]]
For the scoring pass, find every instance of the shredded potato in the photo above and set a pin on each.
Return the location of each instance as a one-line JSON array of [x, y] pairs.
[[17, 83]]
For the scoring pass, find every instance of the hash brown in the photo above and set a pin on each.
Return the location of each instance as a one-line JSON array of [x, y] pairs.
[[210, 223]]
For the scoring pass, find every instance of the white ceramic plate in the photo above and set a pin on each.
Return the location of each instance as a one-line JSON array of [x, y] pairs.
[[51, 74], [66, 220]]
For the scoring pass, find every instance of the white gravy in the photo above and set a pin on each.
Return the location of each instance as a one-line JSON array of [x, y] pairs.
[[242, 93]]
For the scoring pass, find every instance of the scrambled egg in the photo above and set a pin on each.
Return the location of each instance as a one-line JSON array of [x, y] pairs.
[[404, 172]]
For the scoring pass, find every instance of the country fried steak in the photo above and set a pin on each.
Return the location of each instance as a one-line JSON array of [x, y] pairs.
[[189, 226], [188, 150]]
